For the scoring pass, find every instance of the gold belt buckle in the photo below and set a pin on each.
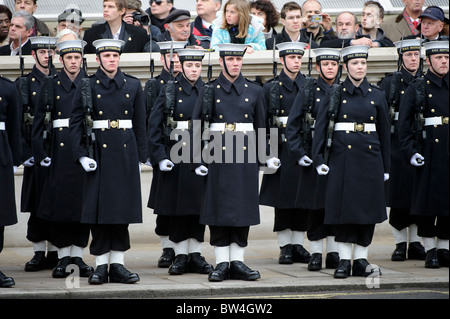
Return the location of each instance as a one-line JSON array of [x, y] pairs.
[[445, 120], [359, 127], [113, 124], [230, 127]]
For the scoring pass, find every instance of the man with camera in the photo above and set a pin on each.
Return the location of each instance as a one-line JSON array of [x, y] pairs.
[[315, 22]]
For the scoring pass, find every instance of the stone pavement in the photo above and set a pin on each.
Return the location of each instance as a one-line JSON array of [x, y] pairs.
[[261, 255]]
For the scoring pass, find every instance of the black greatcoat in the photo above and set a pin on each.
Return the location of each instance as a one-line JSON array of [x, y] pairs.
[[60, 201], [280, 189], [10, 150], [431, 186], [178, 192], [358, 160], [231, 189], [401, 175], [112, 193], [312, 187]]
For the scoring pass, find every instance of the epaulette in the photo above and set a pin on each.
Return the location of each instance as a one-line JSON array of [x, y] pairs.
[[6, 79], [375, 87], [130, 76], [253, 81], [91, 75]]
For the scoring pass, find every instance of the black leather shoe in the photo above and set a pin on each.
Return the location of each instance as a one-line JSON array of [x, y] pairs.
[[180, 265], [198, 264], [332, 260], [431, 260], [286, 257], [221, 273], [60, 270], [52, 260], [300, 254], [238, 270], [36, 263], [6, 282], [362, 268], [99, 276], [167, 258], [119, 274], [399, 253], [316, 262], [343, 269], [85, 270], [416, 251], [442, 255]]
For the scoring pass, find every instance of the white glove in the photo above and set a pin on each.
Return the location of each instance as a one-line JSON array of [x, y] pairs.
[[386, 176], [273, 163], [165, 165], [322, 169], [29, 162], [15, 169], [46, 162], [305, 161], [417, 160], [88, 164], [201, 171]]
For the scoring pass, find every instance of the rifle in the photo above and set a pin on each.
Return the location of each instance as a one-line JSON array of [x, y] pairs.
[[274, 94], [86, 101], [49, 102], [309, 56], [333, 111], [419, 121], [151, 86], [339, 74], [420, 69], [394, 96], [169, 102], [23, 89], [307, 118], [207, 101]]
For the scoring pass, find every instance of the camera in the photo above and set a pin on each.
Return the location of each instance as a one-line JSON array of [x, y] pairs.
[[141, 18], [317, 18]]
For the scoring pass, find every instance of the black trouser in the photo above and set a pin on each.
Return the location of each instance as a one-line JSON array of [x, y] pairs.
[[2, 237], [68, 234], [109, 237], [162, 225], [316, 228], [39, 229], [222, 236], [361, 235], [401, 218], [185, 227], [293, 219], [433, 226]]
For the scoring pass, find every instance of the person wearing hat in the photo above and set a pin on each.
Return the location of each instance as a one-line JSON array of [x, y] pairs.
[[358, 162], [168, 51], [135, 38], [112, 189], [178, 28], [432, 22], [310, 195], [36, 173], [427, 151], [71, 19], [230, 200], [63, 188], [279, 186], [399, 186], [10, 157], [179, 191]]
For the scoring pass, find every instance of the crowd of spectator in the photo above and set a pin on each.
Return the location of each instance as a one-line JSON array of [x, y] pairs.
[[256, 23]]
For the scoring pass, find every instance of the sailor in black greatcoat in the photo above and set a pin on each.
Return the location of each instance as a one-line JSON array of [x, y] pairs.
[[34, 174], [60, 202], [401, 177], [163, 222], [428, 151], [10, 158], [300, 132], [112, 186], [358, 162], [229, 162], [279, 189], [179, 190]]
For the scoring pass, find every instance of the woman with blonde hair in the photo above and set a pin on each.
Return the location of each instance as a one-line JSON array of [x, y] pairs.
[[238, 26]]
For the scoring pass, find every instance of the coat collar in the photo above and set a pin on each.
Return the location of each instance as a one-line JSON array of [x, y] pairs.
[[119, 79], [323, 84], [67, 83], [187, 86], [227, 85], [364, 86], [437, 80], [288, 83]]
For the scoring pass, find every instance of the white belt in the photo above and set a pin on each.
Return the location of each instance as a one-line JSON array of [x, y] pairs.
[[437, 120], [396, 116], [108, 124], [61, 123], [183, 125], [283, 120], [348, 126], [236, 127], [2, 126]]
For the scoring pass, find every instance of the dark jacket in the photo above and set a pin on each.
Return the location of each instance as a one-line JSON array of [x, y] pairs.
[[165, 36], [135, 37], [155, 21], [26, 49], [284, 37], [201, 33], [381, 38], [332, 41]]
